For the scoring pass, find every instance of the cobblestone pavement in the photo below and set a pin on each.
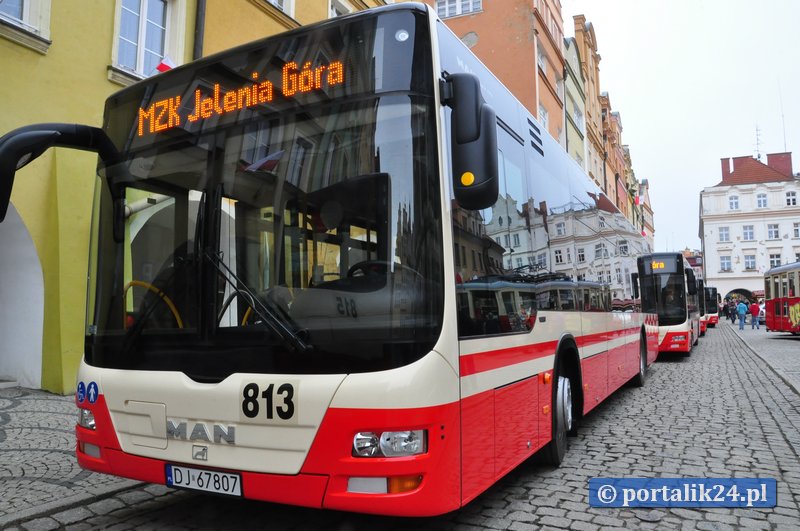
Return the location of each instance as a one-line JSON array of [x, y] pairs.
[[38, 470], [723, 412]]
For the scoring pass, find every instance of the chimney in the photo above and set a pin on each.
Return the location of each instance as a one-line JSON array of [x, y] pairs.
[[780, 162], [726, 169], [738, 161]]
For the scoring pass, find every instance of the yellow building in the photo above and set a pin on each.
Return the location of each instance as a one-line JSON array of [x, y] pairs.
[[60, 60]]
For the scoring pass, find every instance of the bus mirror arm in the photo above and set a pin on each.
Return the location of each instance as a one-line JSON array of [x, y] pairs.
[[635, 284], [21, 146], [473, 135]]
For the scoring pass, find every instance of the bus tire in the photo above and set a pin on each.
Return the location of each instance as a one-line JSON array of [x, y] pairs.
[[639, 379], [562, 421]]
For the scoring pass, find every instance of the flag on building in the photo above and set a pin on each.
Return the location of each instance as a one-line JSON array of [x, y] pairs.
[[165, 64]]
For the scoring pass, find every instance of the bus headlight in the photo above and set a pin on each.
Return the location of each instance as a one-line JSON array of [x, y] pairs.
[[390, 443], [86, 419], [401, 443], [366, 444]]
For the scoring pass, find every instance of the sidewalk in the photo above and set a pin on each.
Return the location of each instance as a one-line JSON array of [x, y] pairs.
[[38, 471], [780, 350]]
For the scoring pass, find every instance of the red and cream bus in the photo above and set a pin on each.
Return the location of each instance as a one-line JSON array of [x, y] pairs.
[[274, 308], [669, 289], [701, 306], [781, 300], [711, 316]]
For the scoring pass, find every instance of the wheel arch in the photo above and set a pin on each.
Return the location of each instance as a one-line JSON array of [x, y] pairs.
[[568, 363]]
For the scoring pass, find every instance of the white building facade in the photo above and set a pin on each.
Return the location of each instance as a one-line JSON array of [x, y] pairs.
[[750, 222]]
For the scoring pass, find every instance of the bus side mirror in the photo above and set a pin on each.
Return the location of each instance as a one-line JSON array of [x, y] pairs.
[[473, 132], [23, 145], [691, 282], [635, 284]]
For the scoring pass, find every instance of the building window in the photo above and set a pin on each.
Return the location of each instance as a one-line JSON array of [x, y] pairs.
[[748, 233], [452, 8], [733, 202], [725, 263], [761, 200], [12, 9], [541, 58], [796, 229], [750, 262], [506, 240], [619, 276], [600, 251], [773, 232], [339, 8], [602, 222], [774, 260], [26, 22], [622, 246], [142, 35], [791, 198], [541, 260], [519, 262], [569, 255], [543, 116], [561, 228], [283, 5], [516, 240], [724, 234], [581, 255], [558, 256], [457, 256]]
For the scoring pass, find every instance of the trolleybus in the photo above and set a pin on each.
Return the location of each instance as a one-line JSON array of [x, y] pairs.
[[668, 288], [712, 307], [277, 306], [781, 301]]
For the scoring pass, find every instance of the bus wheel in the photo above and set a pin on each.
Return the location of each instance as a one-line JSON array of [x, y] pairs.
[[562, 422], [638, 380]]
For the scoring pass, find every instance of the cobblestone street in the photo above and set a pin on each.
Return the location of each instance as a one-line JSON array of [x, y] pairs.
[[723, 412]]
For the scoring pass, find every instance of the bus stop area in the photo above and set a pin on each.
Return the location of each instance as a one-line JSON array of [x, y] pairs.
[[731, 409]]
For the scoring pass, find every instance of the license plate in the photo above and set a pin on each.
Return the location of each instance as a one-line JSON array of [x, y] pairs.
[[206, 480]]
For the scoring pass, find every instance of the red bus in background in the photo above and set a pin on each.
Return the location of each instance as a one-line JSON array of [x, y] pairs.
[[711, 316], [781, 302]]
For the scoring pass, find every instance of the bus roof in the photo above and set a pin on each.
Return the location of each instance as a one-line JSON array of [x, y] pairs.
[[785, 268]]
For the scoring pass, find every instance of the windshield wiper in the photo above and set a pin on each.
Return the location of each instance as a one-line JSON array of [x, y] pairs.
[[277, 324]]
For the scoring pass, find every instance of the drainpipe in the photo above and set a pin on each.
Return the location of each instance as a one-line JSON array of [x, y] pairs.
[[199, 30]]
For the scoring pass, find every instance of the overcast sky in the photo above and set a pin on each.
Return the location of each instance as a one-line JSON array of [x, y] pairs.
[[692, 79]]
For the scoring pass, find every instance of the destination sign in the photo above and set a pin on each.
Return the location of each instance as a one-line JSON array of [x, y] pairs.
[[163, 114]]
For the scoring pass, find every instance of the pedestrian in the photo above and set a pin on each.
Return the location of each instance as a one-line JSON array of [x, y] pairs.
[[741, 313], [754, 311], [724, 310], [732, 310]]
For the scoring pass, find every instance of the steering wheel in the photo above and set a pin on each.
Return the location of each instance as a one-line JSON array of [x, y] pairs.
[[161, 295], [368, 268]]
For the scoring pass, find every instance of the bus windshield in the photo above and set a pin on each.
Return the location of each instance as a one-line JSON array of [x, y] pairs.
[[285, 233], [665, 294], [712, 306]]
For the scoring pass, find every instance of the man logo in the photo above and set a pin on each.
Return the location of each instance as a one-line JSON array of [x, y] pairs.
[[200, 453], [201, 432]]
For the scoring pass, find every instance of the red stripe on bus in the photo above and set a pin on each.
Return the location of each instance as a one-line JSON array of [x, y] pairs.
[[497, 359]]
